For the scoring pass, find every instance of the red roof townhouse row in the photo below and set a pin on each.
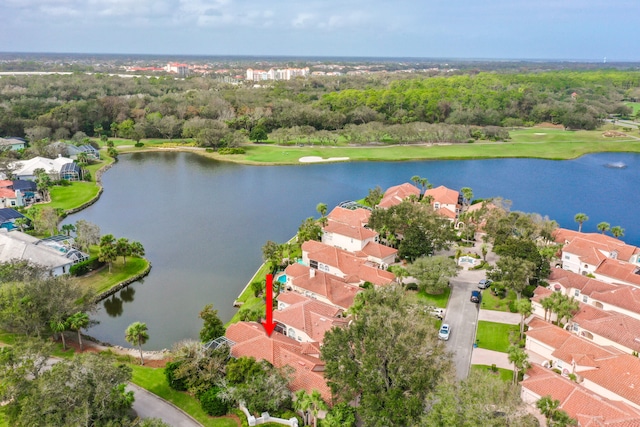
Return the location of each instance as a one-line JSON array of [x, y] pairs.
[[581, 404], [606, 371]]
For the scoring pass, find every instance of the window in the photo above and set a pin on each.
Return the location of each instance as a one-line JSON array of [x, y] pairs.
[[576, 327], [567, 257], [576, 293], [585, 298]]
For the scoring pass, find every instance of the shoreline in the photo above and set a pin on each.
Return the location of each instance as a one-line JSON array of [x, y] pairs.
[[414, 152]]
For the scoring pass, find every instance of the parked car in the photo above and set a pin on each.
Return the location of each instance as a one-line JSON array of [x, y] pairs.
[[445, 331], [476, 296], [484, 283]]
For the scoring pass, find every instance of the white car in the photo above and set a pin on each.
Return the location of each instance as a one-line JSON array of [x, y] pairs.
[[445, 331]]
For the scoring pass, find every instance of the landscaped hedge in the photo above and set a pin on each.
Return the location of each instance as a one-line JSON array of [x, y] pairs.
[[174, 383], [212, 404], [229, 150], [82, 268]]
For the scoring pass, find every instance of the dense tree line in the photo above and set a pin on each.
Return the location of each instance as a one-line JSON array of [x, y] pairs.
[[358, 108]]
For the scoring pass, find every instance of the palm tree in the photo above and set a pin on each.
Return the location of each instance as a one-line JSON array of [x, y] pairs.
[[603, 227], [82, 158], [467, 194], [547, 304], [77, 322], [303, 404], [136, 249], [108, 252], [322, 210], [617, 231], [123, 249], [547, 405], [524, 308], [520, 360], [58, 327], [317, 405], [68, 228], [580, 218], [137, 334]]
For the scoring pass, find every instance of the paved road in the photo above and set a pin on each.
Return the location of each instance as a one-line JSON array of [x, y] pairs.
[[462, 315], [148, 405]]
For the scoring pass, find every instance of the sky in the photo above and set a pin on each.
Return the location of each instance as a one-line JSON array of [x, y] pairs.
[[483, 29]]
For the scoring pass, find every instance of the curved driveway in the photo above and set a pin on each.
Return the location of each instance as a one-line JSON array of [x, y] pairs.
[[148, 405]]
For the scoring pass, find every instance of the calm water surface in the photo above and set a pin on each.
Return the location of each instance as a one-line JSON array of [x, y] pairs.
[[203, 222]]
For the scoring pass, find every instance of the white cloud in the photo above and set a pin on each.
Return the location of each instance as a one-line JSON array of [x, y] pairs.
[[302, 20]]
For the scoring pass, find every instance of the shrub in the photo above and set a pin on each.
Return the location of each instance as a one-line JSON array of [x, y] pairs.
[[209, 150], [229, 150], [573, 378], [212, 404], [84, 267], [139, 144], [512, 306], [557, 371], [169, 373], [494, 368], [411, 286]]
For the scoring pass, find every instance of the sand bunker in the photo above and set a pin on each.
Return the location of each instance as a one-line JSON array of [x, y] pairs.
[[316, 159]]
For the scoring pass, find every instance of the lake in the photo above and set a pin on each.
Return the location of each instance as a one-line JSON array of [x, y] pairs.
[[203, 222]]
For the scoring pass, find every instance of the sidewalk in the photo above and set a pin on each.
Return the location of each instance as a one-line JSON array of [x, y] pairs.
[[499, 317], [482, 356]]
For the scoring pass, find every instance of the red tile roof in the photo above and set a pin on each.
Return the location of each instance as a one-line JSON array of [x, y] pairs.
[[348, 263], [252, 341], [580, 403], [396, 194], [355, 217], [7, 193], [583, 244], [354, 232], [624, 296], [377, 250], [336, 290], [620, 375], [444, 195], [619, 271], [616, 327], [291, 298], [312, 317], [5, 183]]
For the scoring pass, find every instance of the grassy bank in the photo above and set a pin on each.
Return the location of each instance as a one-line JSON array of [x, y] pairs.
[[101, 280], [543, 143]]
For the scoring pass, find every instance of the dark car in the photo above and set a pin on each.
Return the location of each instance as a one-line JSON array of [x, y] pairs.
[[484, 283], [476, 296]]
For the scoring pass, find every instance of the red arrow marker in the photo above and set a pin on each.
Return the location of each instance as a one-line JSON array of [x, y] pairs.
[[268, 324]]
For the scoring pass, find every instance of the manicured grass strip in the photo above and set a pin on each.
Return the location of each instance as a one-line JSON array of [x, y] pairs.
[[102, 280], [634, 105], [495, 336], [436, 300], [247, 298], [72, 196], [153, 379], [505, 374], [492, 302]]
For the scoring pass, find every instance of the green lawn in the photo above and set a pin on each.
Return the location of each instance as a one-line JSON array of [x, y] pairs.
[[102, 280], [495, 336], [72, 196], [505, 374], [492, 302], [634, 105], [247, 298], [436, 300], [153, 379]]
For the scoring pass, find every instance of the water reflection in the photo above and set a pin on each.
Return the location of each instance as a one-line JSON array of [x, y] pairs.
[[128, 293], [113, 306]]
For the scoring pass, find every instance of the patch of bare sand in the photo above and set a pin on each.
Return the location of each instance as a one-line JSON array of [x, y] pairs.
[[317, 159]]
